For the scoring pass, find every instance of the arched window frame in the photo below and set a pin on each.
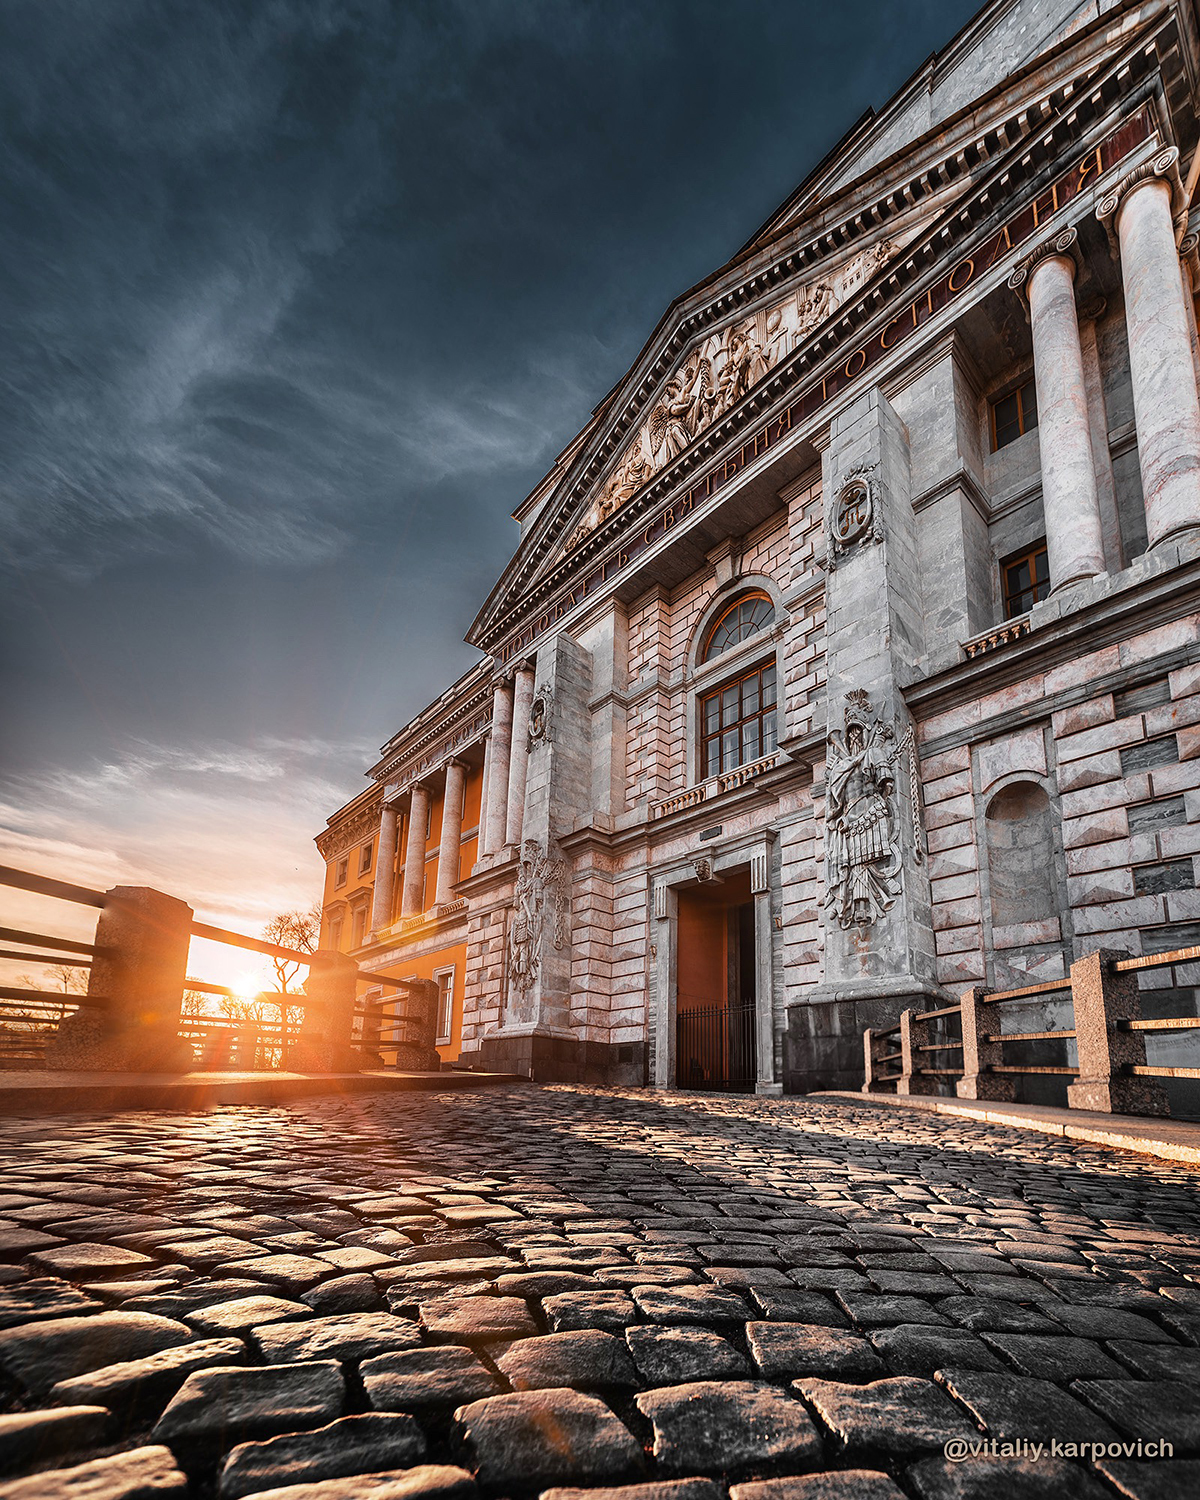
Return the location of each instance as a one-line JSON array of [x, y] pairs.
[[756, 651]]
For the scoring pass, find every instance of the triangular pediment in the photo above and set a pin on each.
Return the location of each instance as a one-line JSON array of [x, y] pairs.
[[719, 369]]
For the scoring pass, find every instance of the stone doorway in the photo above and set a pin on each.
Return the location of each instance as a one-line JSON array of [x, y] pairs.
[[715, 1000]]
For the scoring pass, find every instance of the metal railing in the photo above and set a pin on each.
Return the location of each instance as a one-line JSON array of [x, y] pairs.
[[1111, 1074], [137, 978]]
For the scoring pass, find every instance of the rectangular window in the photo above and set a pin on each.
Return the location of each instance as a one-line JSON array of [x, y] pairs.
[[364, 856], [1026, 580], [335, 934], [737, 722], [341, 873], [359, 929], [444, 979], [1014, 415]]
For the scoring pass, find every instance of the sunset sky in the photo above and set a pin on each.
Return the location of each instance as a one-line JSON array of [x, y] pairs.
[[299, 299]]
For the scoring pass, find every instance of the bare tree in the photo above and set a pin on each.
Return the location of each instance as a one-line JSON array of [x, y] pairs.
[[300, 930]]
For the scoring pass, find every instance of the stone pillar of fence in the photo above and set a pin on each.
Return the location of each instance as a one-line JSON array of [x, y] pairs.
[[137, 979], [877, 1075], [980, 1019], [913, 1033], [1102, 997], [418, 1009], [324, 1044]]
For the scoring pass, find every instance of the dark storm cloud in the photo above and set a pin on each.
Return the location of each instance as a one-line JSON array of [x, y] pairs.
[[301, 297], [277, 269]]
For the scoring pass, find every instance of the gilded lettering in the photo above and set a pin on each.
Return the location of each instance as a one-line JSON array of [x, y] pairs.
[[1003, 242], [1091, 163], [858, 354], [1037, 203], [970, 264]]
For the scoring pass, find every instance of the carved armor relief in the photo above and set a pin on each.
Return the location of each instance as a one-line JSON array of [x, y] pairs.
[[539, 912], [863, 857], [721, 369]]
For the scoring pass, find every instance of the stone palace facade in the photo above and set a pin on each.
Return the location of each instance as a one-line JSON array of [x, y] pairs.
[[850, 655]]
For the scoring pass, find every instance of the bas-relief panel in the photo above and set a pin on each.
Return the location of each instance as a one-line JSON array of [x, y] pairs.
[[719, 370]]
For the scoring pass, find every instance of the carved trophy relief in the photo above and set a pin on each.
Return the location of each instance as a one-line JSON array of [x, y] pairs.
[[863, 855], [719, 371], [539, 913]]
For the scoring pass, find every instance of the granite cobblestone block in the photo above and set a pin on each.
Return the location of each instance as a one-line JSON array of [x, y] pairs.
[[816, 1287]]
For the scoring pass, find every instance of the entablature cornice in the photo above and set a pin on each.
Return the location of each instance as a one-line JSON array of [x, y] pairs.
[[353, 830], [427, 743]]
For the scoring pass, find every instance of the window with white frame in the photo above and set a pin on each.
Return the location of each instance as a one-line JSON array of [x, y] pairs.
[[737, 716], [444, 979]]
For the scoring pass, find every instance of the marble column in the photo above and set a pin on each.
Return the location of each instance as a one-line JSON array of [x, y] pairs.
[[385, 861], [1165, 404], [495, 816], [1074, 539], [448, 844], [414, 853], [518, 755]]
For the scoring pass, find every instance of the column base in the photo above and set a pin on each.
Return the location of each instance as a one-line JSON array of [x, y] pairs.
[[1073, 583], [1186, 538]]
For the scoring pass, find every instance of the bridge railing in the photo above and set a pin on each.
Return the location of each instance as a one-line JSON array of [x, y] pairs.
[[132, 1017], [1111, 1073]]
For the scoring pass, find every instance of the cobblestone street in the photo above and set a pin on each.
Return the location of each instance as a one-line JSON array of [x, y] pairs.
[[524, 1290]]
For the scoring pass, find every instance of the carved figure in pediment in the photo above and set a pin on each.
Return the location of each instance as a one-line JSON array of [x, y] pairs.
[[815, 306]]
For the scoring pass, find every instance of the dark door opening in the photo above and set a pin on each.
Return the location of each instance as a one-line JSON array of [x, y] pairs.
[[714, 1016]]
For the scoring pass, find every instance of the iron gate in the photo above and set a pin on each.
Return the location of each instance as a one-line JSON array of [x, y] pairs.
[[714, 1048]]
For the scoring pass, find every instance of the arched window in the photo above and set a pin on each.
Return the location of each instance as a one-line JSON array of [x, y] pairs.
[[743, 618], [737, 718]]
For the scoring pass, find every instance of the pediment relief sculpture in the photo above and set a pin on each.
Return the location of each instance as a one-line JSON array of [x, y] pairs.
[[720, 370]]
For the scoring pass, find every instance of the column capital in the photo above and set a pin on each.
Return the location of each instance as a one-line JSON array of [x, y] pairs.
[[1162, 167], [1063, 246]]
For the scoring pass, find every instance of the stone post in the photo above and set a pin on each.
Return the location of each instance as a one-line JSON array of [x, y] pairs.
[[870, 1082], [913, 1033], [518, 754], [980, 1019], [1102, 997], [1074, 541], [414, 852], [495, 816], [1165, 404], [142, 940], [323, 1045], [448, 844], [385, 868], [417, 1016]]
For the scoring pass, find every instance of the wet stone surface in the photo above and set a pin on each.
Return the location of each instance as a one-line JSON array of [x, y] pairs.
[[599, 1292]]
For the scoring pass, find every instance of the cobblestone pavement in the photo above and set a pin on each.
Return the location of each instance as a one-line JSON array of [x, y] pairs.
[[526, 1290]]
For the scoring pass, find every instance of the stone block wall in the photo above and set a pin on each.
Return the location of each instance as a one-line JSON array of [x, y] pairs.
[[1114, 740]]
